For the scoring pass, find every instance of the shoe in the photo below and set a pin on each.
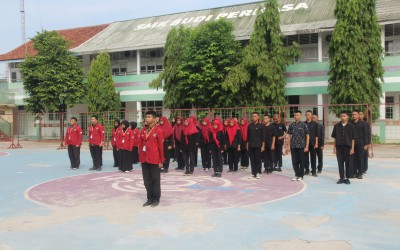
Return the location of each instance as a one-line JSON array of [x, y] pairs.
[[252, 177], [165, 171], [93, 168], [295, 178], [314, 175], [365, 173], [214, 175], [127, 171], [148, 203], [203, 169], [74, 168], [229, 171], [269, 172], [279, 169], [207, 169], [191, 173], [155, 204], [319, 171], [340, 181], [299, 178], [186, 173], [307, 172], [347, 181], [258, 176], [359, 176], [266, 171], [98, 169], [219, 175]]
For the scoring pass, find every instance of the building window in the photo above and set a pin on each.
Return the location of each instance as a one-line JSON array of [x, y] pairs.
[[293, 100], [392, 39], [156, 106], [389, 100]]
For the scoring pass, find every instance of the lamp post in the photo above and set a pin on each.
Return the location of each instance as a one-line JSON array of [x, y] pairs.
[[62, 110]]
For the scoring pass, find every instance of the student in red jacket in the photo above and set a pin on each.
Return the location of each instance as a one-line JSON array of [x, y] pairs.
[[125, 145], [96, 139], [151, 155], [73, 139], [114, 133]]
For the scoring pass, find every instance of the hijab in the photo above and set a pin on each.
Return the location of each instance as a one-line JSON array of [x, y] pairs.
[[216, 130], [190, 129], [126, 123], [133, 125], [226, 126], [166, 127], [206, 129], [178, 128], [194, 119], [119, 123], [243, 129], [232, 130]]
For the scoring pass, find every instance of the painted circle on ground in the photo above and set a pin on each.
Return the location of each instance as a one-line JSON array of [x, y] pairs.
[[233, 190]]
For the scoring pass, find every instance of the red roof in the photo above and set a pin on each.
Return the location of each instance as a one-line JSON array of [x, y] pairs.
[[77, 36]]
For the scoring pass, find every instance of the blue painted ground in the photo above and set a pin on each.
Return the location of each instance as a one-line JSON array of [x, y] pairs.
[[365, 214]]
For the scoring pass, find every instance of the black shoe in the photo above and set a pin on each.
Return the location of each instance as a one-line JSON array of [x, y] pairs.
[[98, 169], [93, 168], [347, 181], [279, 169], [266, 171], [186, 173], [155, 203], [165, 171], [148, 203], [307, 172], [359, 176], [340, 181], [219, 175], [214, 175], [191, 172], [315, 175], [319, 171]]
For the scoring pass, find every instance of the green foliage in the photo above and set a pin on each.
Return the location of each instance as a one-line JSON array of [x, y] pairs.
[[52, 78], [102, 95], [356, 55], [259, 78]]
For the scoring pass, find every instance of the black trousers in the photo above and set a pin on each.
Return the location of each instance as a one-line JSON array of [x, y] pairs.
[[178, 155], [196, 156], [358, 159], [225, 157], [205, 155], [311, 154], [74, 154], [298, 161], [151, 178], [343, 159], [244, 156], [268, 156], [135, 155], [233, 159], [320, 155], [116, 156], [278, 155], [126, 160], [216, 158], [366, 154], [97, 155], [255, 160], [189, 159], [167, 155]]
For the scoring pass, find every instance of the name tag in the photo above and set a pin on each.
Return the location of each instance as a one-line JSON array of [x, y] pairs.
[[91, 136], [144, 148], [69, 138], [115, 139], [123, 141]]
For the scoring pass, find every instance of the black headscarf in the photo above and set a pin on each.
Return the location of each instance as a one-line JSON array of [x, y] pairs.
[[119, 123], [126, 123], [133, 125]]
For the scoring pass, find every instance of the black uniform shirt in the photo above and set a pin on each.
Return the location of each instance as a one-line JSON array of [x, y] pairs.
[[255, 135], [343, 134], [280, 130], [269, 134], [361, 128], [313, 129]]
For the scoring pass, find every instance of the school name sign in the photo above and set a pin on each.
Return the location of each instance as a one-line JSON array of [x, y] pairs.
[[206, 18]]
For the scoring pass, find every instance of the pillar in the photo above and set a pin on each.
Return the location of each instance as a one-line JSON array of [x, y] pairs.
[[383, 39], [320, 47], [382, 117], [320, 102], [139, 113], [138, 64]]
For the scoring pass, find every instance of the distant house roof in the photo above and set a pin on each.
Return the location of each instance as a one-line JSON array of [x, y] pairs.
[[76, 35]]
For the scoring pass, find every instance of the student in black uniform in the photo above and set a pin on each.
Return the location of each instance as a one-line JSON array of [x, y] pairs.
[[255, 144], [299, 139], [311, 155], [217, 146], [321, 144], [233, 140], [361, 144], [269, 132], [280, 133], [343, 146], [189, 145], [369, 140]]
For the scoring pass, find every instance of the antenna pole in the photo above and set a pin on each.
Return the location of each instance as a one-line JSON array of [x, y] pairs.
[[23, 32]]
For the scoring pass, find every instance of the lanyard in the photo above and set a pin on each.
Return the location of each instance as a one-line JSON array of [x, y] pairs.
[[148, 134]]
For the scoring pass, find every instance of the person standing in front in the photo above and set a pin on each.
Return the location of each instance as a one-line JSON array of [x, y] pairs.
[[343, 146], [96, 140], [151, 155], [311, 155], [233, 140], [299, 140], [361, 144], [280, 133], [269, 136], [321, 144], [73, 140], [255, 144], [114, 136]]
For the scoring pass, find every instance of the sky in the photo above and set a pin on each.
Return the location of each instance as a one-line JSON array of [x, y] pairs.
[[63, 14]]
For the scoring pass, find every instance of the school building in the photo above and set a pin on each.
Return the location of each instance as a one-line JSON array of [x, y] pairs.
[[137, 47]]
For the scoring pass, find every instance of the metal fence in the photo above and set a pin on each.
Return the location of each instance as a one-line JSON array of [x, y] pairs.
[[52, 126]]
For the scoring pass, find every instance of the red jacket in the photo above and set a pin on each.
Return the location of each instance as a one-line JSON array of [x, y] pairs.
[[96, 134], [136, 137], [153, 143], [73, 136], [114, 136], [124, 140]]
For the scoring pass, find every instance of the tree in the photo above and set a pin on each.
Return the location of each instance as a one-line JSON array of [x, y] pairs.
[[212, 52], [100, 86], [259, 77], [174, 55], [355, 55], [53, 78]]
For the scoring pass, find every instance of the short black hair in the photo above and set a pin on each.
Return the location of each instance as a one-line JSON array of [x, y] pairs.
[[316, 114], [344, 112], [357, 111], [74, 118], [94, 116], [297, 111], [267, 115], [151, 112], [309, 111], [255, 113]]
